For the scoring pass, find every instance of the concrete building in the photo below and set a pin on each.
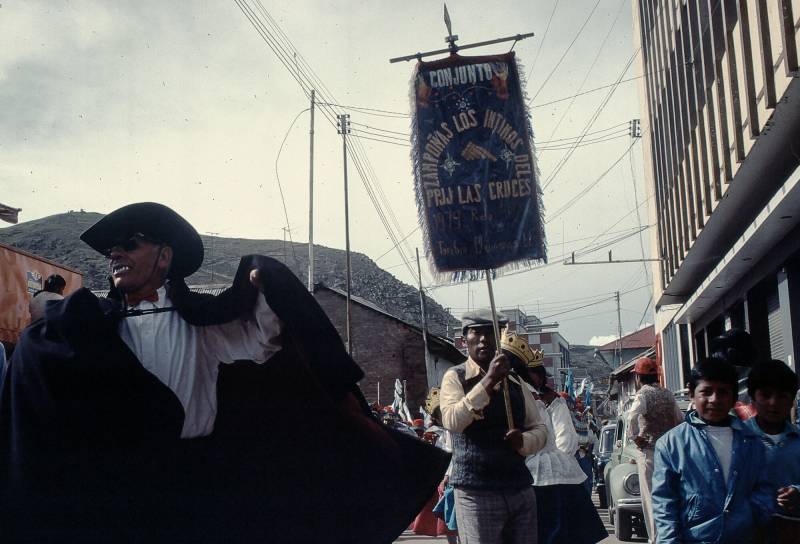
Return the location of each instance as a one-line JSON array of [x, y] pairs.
[[721, 137], [625, 350]]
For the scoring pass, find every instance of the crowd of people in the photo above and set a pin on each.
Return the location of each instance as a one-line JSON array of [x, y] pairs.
[[526, 484], [727, 470], [112, 409]]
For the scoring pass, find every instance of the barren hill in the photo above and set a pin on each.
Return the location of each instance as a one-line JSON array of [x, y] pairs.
[[56, 238]]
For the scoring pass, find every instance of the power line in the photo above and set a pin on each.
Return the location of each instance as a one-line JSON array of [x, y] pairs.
[[618, 237], [387, 113], [544, 39], [589, 187], [391, 248], [305, 76], [555, 260], [361, 137], [403, 134], [594, 90], [591, 67], [564, 54], [612, 128], [384, 135], [619, 128], [644, 314], [278, 178], [366, 135], [584, 143], [577, 308], [620, 220], [638, 216], [589, 124]]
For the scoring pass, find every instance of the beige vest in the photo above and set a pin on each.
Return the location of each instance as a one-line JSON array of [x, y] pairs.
[[660, 416]]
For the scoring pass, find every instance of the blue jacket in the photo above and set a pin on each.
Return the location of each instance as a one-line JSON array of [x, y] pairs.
[[783, 458], [691, 500]]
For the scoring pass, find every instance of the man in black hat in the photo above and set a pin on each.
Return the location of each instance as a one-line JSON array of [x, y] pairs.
[[117, 422], [495, 501]]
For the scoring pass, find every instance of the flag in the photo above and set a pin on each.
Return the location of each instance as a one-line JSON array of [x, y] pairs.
[[569, 384], [399, 402], [475, 172], [9, 214]]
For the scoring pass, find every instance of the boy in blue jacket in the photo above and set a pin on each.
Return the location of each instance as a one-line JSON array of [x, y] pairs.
[[772, 385], [709, 481]]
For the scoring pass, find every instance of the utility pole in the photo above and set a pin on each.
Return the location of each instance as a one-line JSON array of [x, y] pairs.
[[212, 235], [311, 202], [344, 130], [619, 331], [428, 369]]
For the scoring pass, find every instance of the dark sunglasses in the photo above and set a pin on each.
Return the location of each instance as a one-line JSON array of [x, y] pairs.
[[131, 243]]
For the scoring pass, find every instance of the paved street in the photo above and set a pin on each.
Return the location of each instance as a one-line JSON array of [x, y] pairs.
[[409, 537]]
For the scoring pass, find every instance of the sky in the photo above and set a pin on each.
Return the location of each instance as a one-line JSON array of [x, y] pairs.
[[107, 103]]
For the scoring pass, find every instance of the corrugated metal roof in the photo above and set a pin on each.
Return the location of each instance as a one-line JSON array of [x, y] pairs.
[[643, 338], [627, 366]]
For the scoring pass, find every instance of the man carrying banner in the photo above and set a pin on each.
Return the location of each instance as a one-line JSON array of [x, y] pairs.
[[495, 501], [118, 423]]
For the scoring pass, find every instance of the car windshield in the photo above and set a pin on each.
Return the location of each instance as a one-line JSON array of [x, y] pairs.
[[607, 441]]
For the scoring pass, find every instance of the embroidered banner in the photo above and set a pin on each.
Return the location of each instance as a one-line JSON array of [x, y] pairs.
[[474, 165]]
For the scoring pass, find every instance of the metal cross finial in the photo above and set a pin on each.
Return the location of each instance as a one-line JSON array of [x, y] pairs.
[[451, 38]]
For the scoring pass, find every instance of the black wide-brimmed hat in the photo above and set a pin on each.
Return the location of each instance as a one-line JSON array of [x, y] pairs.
[[155, 221]]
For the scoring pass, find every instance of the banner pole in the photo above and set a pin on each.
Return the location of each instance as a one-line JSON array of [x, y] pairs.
[[506, 396]]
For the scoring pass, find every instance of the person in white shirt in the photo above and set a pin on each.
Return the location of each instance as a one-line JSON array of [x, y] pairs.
[[564, 511], [54, 287], [160, 414]]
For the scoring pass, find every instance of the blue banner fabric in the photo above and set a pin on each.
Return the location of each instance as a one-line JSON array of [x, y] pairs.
[[569, 385], [474, 164]]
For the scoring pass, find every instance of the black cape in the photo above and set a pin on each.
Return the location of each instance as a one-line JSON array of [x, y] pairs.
[[90, 447]]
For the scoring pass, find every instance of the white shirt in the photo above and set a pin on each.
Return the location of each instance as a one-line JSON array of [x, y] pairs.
[[774, 438], [460, 408], [721, 439], [551, 466], [566, 438], [39, 303], [186, 357]]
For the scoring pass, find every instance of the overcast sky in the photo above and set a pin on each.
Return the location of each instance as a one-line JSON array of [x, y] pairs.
[[107, 103]]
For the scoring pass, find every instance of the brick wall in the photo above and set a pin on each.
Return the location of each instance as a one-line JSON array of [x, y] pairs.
[[385, 348]]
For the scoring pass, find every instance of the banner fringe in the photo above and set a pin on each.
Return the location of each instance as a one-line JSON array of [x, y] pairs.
[[458, 276]]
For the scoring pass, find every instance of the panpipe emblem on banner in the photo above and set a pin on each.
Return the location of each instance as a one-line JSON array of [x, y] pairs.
[[475, 168]]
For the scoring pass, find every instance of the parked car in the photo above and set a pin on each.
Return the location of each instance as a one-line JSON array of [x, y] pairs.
[[605, 447], [621, 481]]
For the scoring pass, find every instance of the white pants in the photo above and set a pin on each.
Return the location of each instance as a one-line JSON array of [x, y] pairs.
[[644, 464]]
